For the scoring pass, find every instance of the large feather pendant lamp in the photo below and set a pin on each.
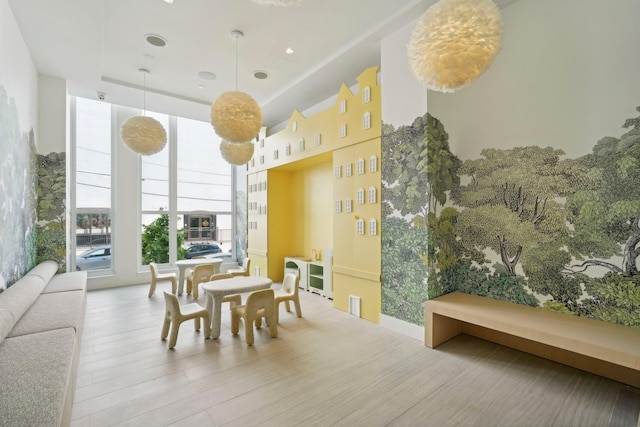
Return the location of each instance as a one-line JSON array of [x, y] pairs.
[[143, 135], [236, 153], [236, 117], [454, 42]]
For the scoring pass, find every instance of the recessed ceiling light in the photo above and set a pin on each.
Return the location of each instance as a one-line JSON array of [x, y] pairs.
[[156, 40], [206, 75], [289, 51], [260, 75], [168, 1], [148, 57], [200, 86]]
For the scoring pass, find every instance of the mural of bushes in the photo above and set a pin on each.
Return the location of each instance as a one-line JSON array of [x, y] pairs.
[[51, 190], [525, 224]]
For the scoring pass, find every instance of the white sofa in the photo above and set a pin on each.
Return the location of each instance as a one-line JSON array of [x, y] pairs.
[[41, 317]]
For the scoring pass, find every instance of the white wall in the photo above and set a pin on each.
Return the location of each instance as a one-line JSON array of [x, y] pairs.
[[53, 113], [18, 74], [567, 76]]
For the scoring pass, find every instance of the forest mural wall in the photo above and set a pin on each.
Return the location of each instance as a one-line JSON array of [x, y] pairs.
[[523, 224], [51, 240], [17, 194], [528, 222], [524, 185]]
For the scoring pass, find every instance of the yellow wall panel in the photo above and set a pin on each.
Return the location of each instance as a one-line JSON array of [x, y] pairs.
[[369, 292], [303, 189], [280, 216]]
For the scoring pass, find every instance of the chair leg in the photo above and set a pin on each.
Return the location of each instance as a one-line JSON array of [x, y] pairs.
[[196, 323], [236, 300], [174, 285], [235, 323], [165, 327], [296, 302], [287, 306], [195, 290], [173, 338], [273, 325], [152, 288], [248, 331]]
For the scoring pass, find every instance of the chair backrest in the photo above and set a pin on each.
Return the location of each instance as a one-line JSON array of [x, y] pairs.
[[153, 268], [258, 300], [290, 283], [172, 303], [220, 276], [202, 273], [245, 264]]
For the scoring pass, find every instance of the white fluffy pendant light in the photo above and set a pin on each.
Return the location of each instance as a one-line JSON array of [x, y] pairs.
[[236, 117], [236, 153], [143, 135], [454, 42]]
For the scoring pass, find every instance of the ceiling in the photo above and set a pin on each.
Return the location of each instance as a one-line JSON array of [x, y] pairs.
[[99, 46]]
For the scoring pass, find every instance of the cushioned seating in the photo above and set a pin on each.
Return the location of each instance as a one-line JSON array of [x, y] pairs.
[[75, 281], [52, 311], [41, 317], [35, 372]]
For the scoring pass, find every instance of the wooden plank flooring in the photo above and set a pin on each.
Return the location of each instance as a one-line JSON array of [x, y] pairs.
[[325, 369]]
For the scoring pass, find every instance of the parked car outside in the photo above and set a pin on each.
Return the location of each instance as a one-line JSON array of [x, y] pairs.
[[201, 249], [94, 259]]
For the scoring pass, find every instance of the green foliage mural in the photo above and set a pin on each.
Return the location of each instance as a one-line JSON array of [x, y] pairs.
[[525, 224], [51, 190]]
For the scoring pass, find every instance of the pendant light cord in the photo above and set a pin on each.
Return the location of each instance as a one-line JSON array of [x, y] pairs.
[[144, 93], [236, 62]]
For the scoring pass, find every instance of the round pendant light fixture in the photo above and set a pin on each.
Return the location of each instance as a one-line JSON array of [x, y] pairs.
[[143, 135], [236, 118], [454, 42], [236, 153]]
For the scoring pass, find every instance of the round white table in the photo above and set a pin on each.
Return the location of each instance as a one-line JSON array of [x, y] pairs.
[[183, 264], [218, 289]]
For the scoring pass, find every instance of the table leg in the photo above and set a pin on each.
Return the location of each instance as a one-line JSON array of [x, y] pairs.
[[180, 279], [214, 306]]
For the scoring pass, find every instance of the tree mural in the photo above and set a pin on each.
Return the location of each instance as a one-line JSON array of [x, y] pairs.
[[521, 224], [51, 190], [418, 169], [606, 216]]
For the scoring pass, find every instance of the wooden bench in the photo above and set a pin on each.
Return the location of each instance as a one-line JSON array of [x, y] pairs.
[[605, 349]]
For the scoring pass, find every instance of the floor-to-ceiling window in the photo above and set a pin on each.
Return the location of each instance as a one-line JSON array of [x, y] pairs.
[[185, 192], [204, 189], [93, 184]]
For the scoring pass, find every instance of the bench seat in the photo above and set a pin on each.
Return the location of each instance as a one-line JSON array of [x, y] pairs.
[[605, 349]]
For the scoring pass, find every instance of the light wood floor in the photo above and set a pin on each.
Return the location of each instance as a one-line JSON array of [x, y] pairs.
[[325, 369]]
